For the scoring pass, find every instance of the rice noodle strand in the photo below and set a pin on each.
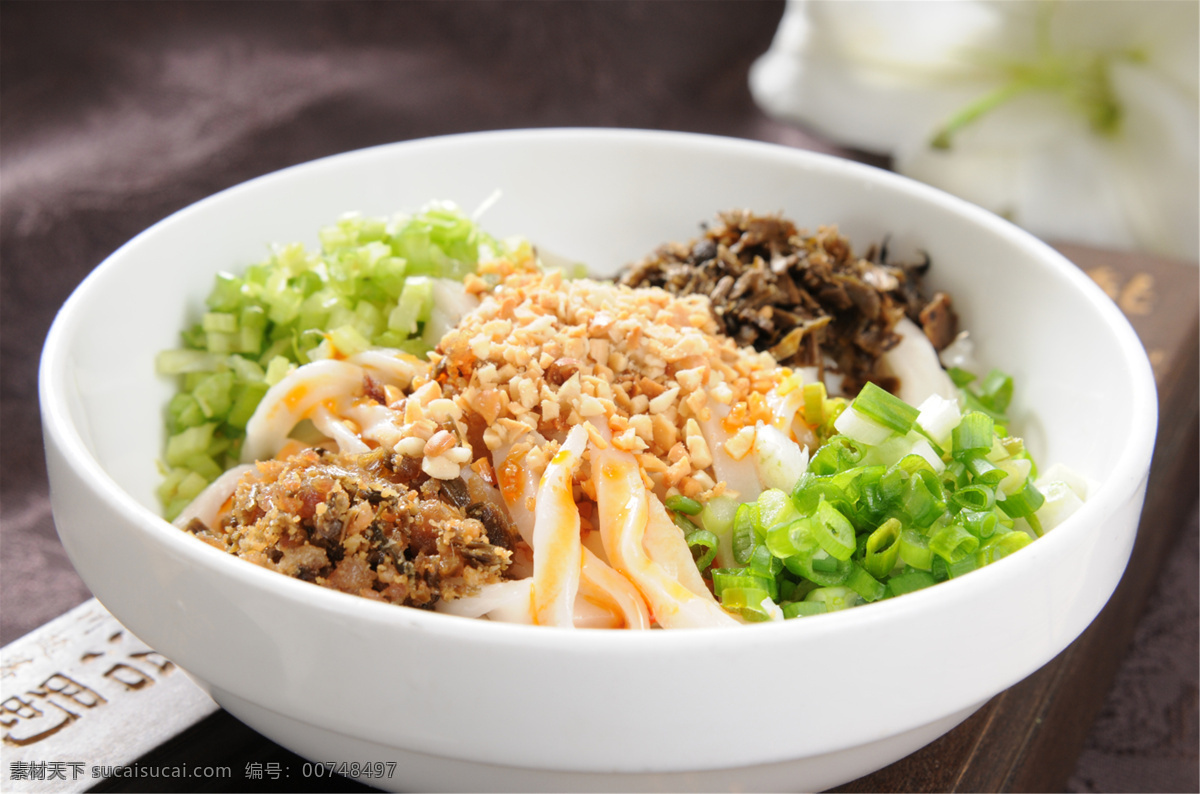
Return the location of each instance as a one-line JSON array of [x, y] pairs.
[[624, 506]]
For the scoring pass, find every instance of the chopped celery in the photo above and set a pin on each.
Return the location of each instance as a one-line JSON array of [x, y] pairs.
[[214, 394], [219, 322], [369, 284], [181, 362], [277, 370], [183, 412], [348, 340], [192, 441], [248, 397], [414, 306]]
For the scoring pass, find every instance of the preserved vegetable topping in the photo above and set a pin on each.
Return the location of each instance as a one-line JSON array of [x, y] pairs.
[[805, 299]]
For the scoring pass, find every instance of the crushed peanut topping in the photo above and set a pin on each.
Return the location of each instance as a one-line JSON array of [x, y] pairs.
[[544, 354]]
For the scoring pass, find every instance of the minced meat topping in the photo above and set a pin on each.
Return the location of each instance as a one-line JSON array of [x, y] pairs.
[[372, 525], [805, 299]]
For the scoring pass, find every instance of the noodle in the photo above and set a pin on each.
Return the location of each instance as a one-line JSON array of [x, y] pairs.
[[548, 427]]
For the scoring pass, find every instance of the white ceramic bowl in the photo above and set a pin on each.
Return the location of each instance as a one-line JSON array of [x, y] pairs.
[[465, 704]]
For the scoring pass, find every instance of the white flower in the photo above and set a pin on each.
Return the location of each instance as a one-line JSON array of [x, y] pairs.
[[1079, 121]]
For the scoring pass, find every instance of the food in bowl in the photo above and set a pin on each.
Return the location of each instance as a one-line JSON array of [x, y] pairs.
[[264, 644], [427, 416]]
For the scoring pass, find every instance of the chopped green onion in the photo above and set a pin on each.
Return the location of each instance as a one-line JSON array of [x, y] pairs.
[[974, 432], [908, 581], [748, 601], [952, 543], [960, 376], [924, 499], [1023, 503], [867, 586], [203, 465], [938, 419], [838, 454], [818, 567], [727, 578], [982, 469], [856, 425], [811, 489], [883, 510], [707, 543], [803, 609], [245, 370], [980, 523], [965, 565], [835, 598], [226, 293], [884, 408], [791, 539], [744, 539], [975, 497], [1000, 546], [183, 412], [814, 403], [915, 551], [1016, 473], [883, 548], [996, 391], [717, 518], [823, 562], [774, 508], [683, 523], [252, 324], [833, 532], [764, 563], [682, 504]]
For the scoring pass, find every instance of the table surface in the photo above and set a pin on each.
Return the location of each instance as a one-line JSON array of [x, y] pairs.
[[117, 114]]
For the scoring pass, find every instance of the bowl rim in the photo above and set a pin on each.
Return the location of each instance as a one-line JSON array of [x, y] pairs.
[[1126, 477]]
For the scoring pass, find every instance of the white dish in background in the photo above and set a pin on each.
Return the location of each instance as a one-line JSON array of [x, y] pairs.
[[460, 704]]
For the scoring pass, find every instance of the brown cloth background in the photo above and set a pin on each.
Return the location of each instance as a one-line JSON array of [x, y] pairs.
[[114, 115]]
